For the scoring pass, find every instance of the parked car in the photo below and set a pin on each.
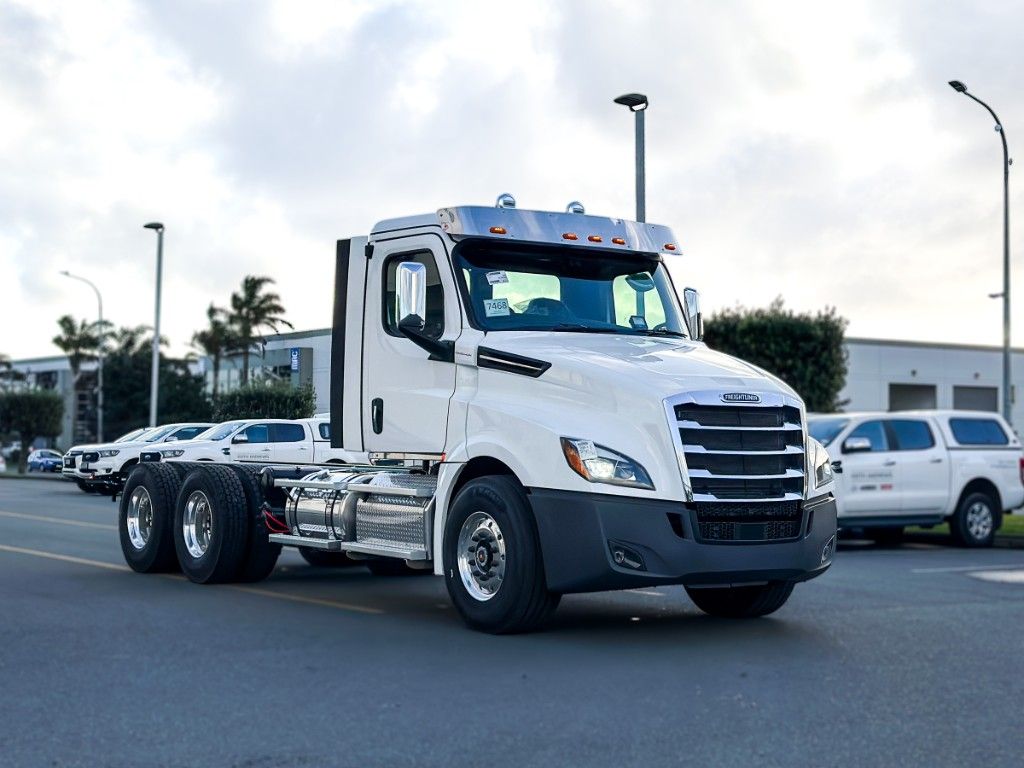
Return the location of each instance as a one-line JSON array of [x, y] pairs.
[[107, 466], [924, 468], [45, 460], [70, 470]]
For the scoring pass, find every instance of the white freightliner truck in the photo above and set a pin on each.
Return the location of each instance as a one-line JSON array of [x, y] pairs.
[[573, 432]]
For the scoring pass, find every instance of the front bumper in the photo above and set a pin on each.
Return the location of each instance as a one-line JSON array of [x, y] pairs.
[[578, 532]]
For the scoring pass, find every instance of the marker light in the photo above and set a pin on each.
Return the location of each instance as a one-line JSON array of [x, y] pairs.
[[498, 231], [569, 236], [594, 238], [619, 241], [669, 247]]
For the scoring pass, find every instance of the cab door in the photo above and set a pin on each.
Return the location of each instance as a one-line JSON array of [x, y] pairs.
[[406, 394], [290, 443], [252, 444], [924, 466], [870, 472]]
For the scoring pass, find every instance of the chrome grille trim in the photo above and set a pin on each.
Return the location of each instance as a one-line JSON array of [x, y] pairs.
[[713, 427]]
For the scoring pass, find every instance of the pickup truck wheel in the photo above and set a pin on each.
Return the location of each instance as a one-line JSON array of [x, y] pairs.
[[492, 558], [210, 525], [321, 559], [145, 518], [260, 555], [975, 521], [741, 602]]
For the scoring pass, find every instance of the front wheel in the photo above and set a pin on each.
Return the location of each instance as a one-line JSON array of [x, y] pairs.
[[975, 521], [741, 602], [492, 558]]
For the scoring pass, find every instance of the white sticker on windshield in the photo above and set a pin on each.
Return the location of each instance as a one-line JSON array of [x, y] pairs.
[[496, 307], [497, 276]]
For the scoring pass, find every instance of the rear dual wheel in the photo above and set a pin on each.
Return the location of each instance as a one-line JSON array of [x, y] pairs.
[[145, 519], [210, 525]]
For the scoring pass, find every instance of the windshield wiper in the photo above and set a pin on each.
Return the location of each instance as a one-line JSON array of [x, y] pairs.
[[583, 328], [666, 332]]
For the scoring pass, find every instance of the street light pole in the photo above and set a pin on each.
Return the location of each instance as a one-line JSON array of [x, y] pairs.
[[99, 367], [154, 385], [637, 103], [959, 87]]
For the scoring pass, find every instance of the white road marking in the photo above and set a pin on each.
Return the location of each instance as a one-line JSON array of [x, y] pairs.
[[60, 520], [1002, 577], [249, 590], [966, 568]]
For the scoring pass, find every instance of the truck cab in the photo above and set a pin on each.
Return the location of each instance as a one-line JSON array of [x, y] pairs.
[[569, 430]]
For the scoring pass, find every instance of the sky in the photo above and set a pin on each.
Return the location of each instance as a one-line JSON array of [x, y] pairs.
[[804, 150]]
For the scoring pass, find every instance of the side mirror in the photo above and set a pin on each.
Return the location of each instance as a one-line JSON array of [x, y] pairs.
[[857, 445], [694, 320], [240, 438], [412, 296], [837, 467]]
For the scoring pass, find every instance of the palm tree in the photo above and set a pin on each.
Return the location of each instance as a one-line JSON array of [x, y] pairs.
[[81, 342], [217, 340], [252, 310]]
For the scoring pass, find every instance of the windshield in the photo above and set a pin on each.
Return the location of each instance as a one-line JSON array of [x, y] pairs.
[[157, 433], [135, 433], [522, 288], [825, 430], [220, 431]]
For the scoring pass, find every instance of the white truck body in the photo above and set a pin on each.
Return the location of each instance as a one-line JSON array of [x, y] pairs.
[[921, 467], [574, 432]]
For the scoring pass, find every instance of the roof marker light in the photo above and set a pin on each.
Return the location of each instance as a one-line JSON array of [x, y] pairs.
[[619, 240], [498, 231], [569, 236], [669, 247], [595, 238]]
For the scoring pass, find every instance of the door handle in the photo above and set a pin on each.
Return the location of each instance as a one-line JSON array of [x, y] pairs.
[[377, 415], [889, 463], [937, 460]]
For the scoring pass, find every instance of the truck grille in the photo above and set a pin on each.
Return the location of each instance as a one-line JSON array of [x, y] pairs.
[[745, 466], [768, 521]]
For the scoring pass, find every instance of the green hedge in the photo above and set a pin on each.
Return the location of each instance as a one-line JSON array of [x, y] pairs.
[[804, 350], [263, 401], [30, 414]]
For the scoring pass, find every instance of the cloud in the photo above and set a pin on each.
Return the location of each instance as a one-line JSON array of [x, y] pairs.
[[799, 149]]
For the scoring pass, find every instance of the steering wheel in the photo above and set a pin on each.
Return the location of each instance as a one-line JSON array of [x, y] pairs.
[[546, 307]]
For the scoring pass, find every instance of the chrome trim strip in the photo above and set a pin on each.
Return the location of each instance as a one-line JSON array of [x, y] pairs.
[[717, 499], [790, 474], [787, 427]]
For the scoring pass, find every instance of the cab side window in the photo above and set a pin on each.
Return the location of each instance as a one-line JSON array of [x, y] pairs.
[[257, 433], [911, 435], [288, 433], [873, 431], [435, 294]]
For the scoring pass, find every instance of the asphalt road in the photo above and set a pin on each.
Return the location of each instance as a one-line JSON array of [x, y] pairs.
[[894, 657]]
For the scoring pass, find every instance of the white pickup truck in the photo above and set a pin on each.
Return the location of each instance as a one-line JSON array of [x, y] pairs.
[[266, 441], [104, 467], [924, 468]]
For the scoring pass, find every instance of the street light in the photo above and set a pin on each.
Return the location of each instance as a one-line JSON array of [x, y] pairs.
[[154, 385], [959, 87], [99, 370], [637, 104]]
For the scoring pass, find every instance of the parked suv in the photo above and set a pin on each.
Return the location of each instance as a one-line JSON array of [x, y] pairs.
[[107, 466], [924, 468]]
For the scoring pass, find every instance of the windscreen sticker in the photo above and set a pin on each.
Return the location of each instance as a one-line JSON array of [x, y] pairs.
[[496, 307], [498, 276]]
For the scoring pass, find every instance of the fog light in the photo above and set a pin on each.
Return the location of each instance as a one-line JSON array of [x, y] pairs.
[[626, 557], [828, 550]]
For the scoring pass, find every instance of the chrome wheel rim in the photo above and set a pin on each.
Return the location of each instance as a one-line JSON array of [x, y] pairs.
[[481, 556], [139, 517], [197, 524], [979, 520]]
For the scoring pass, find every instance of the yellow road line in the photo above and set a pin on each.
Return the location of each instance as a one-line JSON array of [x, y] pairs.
[[60, 520], [249, 590], [63, 558]]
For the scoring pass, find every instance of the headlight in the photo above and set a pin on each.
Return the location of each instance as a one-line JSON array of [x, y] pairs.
[[598, 464], [108, 454], [172, 454], [820, 463]]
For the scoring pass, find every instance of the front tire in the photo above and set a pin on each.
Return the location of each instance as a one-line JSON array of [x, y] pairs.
[[492, 558], [145, 520], [975, 521], [210, 525], [741, 602]]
